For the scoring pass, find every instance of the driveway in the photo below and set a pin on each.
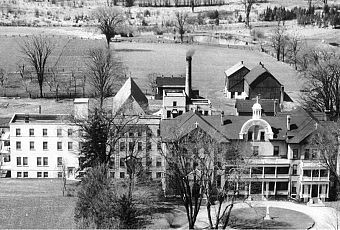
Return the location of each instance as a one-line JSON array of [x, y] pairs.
[[324, 217]]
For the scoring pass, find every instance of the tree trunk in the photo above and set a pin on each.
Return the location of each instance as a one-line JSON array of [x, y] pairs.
[[41, 90], [108, 38]]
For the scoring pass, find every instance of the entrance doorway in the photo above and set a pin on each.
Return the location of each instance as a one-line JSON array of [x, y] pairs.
[[314, 190]]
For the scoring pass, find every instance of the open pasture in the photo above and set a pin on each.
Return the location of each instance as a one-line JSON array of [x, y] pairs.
[[209, 62]]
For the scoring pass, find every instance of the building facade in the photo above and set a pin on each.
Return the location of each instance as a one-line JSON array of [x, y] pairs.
[[283, 164]]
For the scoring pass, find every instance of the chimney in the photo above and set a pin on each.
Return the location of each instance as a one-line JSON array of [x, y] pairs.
[[222, 117], [27, 118], [188, 77], [81, 108], [288, 122], [242, 62], [282, 94]]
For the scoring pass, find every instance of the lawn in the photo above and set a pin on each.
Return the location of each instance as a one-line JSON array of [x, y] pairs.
[[33, 204], [252, 218]]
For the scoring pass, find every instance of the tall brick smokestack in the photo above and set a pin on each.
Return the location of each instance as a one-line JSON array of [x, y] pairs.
[[188, 89]]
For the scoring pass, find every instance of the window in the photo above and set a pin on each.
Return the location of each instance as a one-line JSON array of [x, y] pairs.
[[262, 136], [25, 161], [70, 145], [45, 145], [19, 174], [158, 132], [31, 132], [255, 150], [158, 175], [315, 173], [112, 174], [39, 174], [168, 114], [31, 145], [250, 136], [45, 160], [59, 161], [159, 145], [140, 146], [295, 154], [159, 162], [38, 161], [307, 173], [45, 174], [139, 133], [282, 170], [17, 132], [174, 103], [131, 146], [294, 169], [44, 132], [314, 153], [26, 174], [7, 158], [60, 174], [59, 132], [19, 161], [59, 145], [276, 150], [323, 173], [306, 154], [70, 132], [148, 146], [180, 112], [122, 146], [131, 134], [121, 175], [122, 162], [18, 145]]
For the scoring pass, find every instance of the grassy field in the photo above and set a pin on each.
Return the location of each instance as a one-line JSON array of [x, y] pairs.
[[35, 204], [252, 218], [209, 62]]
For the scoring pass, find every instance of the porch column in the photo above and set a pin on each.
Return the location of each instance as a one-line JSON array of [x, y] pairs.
[[249, 188], [310, 190], [319, 189], [267, 189], [275, 188], [275, 172], [262, 188], [262, 171]]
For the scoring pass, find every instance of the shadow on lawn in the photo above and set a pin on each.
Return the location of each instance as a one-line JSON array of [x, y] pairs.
[[242, 223], [133, 50]]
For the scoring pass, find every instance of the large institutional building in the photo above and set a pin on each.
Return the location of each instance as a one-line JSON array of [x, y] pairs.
[[43, 146]]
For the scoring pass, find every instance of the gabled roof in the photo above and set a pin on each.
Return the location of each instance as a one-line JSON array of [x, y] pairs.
[[255, 72], [234, 69], [130, 98], [184, 124], [268, 105], [173, 81]]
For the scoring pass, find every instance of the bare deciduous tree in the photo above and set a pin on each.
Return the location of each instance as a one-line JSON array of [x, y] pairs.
[[26, 78], [321, 71], [36, 52], [152, 77], [294, 48], [3, 79], [181, 21], [110, 19], [248, 4], [105, 70], [279, 41]]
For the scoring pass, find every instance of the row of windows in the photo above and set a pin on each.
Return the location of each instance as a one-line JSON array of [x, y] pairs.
[[44, 132], [122, 175], [122, 161], [132, 146], [309, 154], [25, 174], [71, 131], [45, 145], [41, 161]]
